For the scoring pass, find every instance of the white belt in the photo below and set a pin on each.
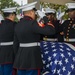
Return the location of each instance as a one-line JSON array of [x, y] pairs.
[[50, 39], [69, 40], [29, 44], [6, 43]]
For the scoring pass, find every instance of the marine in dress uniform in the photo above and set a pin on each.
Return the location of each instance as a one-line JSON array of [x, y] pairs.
[[60, 18], [50, 18], [26, 42], [69, 25], [6, 41]]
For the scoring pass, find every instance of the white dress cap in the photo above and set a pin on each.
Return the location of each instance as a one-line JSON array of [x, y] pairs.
[[48, 10], [29, 6], [9, 10], [70, 5]]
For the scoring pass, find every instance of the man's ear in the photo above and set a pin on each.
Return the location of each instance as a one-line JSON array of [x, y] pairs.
[[31, 12], [10, 15]]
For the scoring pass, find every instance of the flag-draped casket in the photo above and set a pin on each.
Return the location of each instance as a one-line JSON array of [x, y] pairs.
[[58, 58]]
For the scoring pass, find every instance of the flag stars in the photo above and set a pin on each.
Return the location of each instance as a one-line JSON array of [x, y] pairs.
[[49, 58], [51, 63], [42, 55], [45, 45], [61, 49], [56, 61], [62, 55], [69, 73], [53, 46], [69, 54], [54, 71], [60, 63], [52, 43], [58, 71], [72, 66], [47, 66], [66, 60], [46, 52], [73, 59], [46, 48], [54, 50], [64, 69], [61, 46], [44, 42], [54, 55], [44, 61], [68, 49]]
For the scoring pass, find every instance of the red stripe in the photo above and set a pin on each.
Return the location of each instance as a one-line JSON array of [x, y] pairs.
[[41, 24], [39, 72], [14, 72], [6, 63], [50, 24]]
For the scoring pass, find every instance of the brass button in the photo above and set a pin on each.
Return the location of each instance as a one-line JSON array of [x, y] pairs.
[[67, 34], [68, 27], [67, 39], [69, 24], [70, 21], [45, 36], [67, 30]]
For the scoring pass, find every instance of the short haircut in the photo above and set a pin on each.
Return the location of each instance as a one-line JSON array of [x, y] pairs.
[[70, 10], [6, 14]]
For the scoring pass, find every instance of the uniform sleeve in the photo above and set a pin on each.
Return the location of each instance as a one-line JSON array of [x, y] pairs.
[[43, 29], [16, 43], [61, 27]]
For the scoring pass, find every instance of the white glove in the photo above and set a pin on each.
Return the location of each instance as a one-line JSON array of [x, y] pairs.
[[61, 15], [19, 17], [40, 13]]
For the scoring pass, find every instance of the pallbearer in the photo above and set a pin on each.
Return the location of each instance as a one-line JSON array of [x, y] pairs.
[[6, 41], [26, 43]]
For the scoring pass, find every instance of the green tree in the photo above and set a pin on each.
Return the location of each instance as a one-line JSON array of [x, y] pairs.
[[7, 3]]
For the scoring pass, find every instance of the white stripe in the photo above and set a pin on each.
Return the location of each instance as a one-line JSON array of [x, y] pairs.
[[45, 73], [71, 46], [29, 44], [50, 39], [6, 43], [71, 40]]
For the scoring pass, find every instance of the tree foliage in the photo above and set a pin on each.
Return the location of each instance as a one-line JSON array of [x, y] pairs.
[[7, 3]]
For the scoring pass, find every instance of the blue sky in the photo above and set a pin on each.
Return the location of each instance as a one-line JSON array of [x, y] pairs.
[[19, 1]]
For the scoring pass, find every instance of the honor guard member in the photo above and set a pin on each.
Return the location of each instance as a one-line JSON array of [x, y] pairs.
[[60, 18], [27, 37], [50, 18], [69, 25], [6, 41]]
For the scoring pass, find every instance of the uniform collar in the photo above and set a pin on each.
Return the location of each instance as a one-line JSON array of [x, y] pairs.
[[8, 20], [28, 18]]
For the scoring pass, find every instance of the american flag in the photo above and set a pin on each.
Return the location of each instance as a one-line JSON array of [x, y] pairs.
[[58, 58], [21, 13]]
